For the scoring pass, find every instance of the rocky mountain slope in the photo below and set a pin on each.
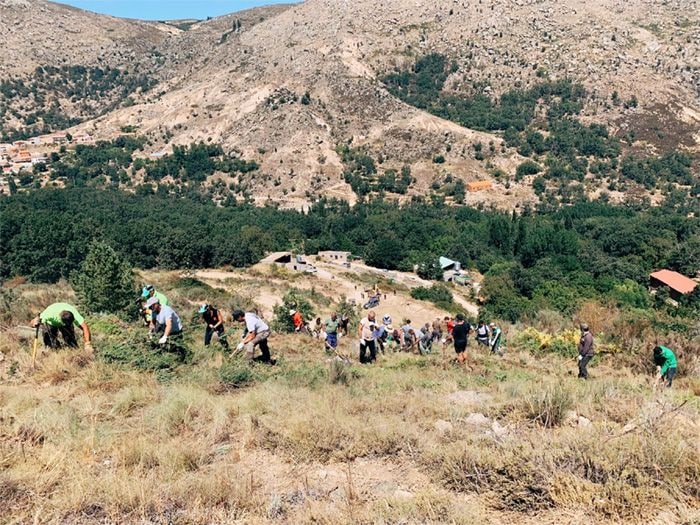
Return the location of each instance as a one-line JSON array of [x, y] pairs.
[[285, 86]]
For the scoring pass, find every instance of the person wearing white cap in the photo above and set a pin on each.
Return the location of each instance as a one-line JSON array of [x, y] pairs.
[[149, 292], [298, 320], [214, 324], [166, 320], [495, 339]]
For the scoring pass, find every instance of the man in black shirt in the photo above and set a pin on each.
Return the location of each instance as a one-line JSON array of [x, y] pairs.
[[215, 323], [460, 334]]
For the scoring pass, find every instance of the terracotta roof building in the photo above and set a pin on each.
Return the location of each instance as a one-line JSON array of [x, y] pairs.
[[677, 283]]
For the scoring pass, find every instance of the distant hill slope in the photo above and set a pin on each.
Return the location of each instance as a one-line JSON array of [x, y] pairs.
[[287, 85]]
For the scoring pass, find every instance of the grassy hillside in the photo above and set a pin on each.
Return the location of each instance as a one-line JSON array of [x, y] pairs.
[[412, 439]]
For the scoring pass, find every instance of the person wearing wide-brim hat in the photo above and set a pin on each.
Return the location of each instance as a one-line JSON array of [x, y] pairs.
[[214, 322]]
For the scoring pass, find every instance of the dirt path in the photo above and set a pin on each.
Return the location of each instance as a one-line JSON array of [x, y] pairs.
[[336, 283]]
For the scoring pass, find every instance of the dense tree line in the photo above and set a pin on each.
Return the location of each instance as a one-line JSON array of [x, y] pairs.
[[534, 260]]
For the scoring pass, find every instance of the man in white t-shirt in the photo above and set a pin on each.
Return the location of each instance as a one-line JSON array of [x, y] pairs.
[[257, 332], [366, 332]]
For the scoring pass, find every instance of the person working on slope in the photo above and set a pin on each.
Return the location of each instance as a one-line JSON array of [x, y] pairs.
[[62, 318], [214, 322], [366, 333], [495, 339], [257, 332], [166, 320], [482, 334], [148, 292], [460, 334], [331, 329], [297, 320], [425, 339], [585, 351], [666, 364]]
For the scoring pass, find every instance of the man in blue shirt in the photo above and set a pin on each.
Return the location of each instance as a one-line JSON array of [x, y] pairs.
[[166, 320]]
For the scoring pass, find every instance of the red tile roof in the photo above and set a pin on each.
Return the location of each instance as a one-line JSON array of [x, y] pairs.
[[675, 280]]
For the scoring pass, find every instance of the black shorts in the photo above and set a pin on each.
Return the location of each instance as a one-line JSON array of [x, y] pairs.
[[460, 346]]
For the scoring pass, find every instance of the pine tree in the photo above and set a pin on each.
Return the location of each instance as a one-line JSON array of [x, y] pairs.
[[105, 282]]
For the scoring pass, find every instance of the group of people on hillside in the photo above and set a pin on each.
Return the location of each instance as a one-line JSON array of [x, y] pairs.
[[59, 321], [375, 336]]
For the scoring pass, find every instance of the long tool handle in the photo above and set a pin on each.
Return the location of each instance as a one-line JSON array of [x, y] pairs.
[[36, 341]]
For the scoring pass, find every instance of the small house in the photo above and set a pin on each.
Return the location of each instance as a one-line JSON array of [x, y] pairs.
[[336, 257], [452, 271], [290, 261], [678, 284]]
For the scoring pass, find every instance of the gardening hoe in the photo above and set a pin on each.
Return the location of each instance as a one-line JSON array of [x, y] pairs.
[[36, 342]]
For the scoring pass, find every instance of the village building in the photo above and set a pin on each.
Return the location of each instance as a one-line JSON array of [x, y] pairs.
[[452, 271], [677, 284], [22, 156], [294, 262], [56, 138], [83, 138], [336, 257]]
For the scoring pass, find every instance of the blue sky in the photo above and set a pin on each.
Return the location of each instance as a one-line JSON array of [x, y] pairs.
[[167, 9]]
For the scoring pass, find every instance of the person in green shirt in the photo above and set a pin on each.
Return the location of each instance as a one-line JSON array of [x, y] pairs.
[[495, 339], [331, 329], [147, 292], [62, 318], [666, 364]]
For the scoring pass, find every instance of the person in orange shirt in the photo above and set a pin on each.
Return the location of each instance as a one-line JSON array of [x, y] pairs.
[[297, 319]]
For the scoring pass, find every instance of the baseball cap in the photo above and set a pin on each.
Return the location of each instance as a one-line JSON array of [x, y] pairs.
[[203, 308], [292, 311], [146, 290], [152, 301]]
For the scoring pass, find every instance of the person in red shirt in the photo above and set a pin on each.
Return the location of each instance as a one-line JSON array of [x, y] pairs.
[[297, 319], [450, 327]]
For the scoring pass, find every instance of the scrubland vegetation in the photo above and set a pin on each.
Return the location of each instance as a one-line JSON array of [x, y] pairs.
[[140, 436]]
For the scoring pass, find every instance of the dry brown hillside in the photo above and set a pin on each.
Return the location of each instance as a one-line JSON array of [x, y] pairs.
[[336, 52], [242, 87]]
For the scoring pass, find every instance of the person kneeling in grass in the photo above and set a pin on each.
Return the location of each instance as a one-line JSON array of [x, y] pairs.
[[666, 364]]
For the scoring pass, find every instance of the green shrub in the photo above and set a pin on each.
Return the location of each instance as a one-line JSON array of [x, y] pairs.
[[141, 354], [294, 299], [438, 294], [105, 282], [527, 168], [236, 374]]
